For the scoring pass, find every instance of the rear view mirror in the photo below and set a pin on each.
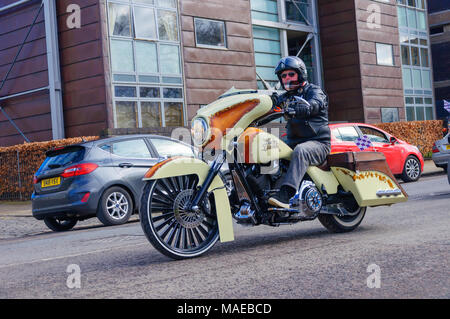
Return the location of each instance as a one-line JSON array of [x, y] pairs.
[[392, 140]]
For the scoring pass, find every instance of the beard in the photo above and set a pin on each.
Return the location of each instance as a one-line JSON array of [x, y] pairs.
[[291, 85]]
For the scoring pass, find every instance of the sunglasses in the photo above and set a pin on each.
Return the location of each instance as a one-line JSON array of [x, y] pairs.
[[291, 74]]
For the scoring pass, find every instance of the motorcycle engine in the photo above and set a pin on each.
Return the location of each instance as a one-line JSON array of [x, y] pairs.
[[308, 199]]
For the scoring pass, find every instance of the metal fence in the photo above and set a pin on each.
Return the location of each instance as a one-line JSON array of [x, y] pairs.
[[16, 176]]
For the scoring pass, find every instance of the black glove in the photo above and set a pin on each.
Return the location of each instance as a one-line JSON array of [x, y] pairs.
[[302, 109], [289, 113], [277, 99]]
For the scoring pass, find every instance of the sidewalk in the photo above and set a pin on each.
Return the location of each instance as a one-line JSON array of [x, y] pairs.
[[23, 209], [430, 169], [14, 209]]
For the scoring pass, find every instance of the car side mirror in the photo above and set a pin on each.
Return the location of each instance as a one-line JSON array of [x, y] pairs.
[[392, 140]]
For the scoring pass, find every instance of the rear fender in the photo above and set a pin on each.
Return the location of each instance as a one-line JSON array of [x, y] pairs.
[[180, 166]]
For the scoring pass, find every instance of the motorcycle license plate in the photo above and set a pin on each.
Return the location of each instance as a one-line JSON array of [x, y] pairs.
[[448, 147], [51, 182]]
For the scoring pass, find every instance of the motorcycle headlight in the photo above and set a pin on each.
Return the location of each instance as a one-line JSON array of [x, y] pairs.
[[199, 131]]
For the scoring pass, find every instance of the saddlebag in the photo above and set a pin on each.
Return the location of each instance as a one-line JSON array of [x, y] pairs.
[[368, 176]]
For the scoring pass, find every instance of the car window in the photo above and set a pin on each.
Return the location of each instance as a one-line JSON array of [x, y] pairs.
[[105, 147], [348, 133], [373, 134], [131, 148], [336, 134], [168, 148], [62, 157]]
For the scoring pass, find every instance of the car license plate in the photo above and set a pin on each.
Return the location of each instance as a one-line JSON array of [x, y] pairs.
[[51, 182], [448, 147]]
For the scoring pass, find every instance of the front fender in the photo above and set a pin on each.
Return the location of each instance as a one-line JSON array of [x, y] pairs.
[[179, 166]]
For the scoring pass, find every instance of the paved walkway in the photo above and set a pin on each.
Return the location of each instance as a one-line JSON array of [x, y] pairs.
[[24, 208]]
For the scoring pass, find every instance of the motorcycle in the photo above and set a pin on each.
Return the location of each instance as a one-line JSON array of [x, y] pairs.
[[185, 208]]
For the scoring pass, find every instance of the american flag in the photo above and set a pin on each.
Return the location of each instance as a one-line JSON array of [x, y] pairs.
[[363, 142], [447, 106]]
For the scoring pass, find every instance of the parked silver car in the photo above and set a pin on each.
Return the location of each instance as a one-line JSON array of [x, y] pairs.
[[441, 152]]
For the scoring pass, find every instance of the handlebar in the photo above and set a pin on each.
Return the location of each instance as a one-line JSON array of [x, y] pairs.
[[280, 103]]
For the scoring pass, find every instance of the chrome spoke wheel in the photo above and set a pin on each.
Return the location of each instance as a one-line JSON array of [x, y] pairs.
[[174, 229]]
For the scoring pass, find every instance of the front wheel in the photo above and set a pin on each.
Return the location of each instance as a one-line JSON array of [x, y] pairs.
[[343, 224], [411, 169], [169, 227]]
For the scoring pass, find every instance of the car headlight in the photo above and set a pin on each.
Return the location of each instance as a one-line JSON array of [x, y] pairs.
[[199, 131]]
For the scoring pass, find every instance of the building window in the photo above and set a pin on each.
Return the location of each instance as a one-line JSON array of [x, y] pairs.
[[437, 30], [126, 114], [295, 24], [267, 53], [151, 114], [414, 40], [170, 64], [146, 57], [264, 10], [298, 11], [210, 33], [122, 56], [146, 63], [419, 108], [144, 23], [415, 56], [405, 55], [389, 114], [385, 54], [424, 57], [167, 25], [119, 20]]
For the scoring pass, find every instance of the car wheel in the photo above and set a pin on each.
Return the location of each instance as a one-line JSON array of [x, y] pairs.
[[115, 206], [57, 224], [411, 169]]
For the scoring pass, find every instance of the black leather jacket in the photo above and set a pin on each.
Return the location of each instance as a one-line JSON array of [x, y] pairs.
[[313, 127]]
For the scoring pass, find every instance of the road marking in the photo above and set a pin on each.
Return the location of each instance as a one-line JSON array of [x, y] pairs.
[[73, 255]]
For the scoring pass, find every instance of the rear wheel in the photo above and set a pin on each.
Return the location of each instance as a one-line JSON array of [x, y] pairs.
[[411, 169], [115, 206], [170, 228], [57, 224], [341, 224]]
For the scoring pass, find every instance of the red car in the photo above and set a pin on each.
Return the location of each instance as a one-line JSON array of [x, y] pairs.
[[404, 159]]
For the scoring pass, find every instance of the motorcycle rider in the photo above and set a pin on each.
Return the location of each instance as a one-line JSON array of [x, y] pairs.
[[307, 127]]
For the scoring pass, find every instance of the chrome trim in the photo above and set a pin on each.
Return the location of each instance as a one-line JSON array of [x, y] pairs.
[[389, 192]]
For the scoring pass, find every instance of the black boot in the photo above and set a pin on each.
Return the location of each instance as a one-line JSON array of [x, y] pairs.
[[281, 199]]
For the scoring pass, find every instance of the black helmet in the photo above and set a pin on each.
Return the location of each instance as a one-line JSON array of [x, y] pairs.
[[292, 63]]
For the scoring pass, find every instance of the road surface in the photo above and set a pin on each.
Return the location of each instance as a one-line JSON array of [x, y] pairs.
[[407, 245]]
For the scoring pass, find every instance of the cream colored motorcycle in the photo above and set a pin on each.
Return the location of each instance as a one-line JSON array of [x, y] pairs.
[[186, 207]]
